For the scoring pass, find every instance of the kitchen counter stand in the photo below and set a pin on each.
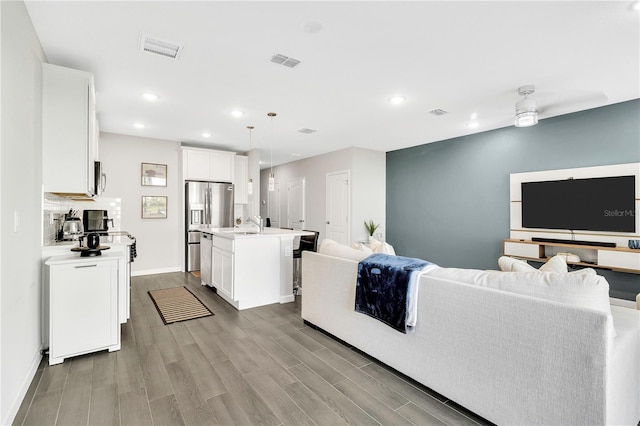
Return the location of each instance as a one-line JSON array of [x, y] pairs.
[[252, 269], [83, 305]]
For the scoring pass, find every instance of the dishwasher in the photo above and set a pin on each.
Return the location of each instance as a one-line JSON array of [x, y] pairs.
[[206, 246]]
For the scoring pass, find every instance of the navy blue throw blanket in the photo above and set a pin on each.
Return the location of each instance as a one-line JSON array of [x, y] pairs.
[[381, 289]]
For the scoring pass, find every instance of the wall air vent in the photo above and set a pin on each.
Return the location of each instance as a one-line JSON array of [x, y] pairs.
[[157, 46], [307, 131], [285, 60], [438, 111]]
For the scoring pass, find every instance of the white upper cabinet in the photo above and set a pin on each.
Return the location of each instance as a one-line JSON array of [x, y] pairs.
[[208, 165], [241, 179], [69, 131]]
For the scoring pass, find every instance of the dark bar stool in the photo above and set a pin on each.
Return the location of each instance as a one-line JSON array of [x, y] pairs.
[[308, 243]]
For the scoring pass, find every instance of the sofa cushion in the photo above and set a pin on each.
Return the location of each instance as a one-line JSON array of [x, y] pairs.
[[581, 288], [332, 248]]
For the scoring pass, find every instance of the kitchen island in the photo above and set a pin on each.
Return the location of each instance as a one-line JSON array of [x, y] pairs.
[[250, 268]]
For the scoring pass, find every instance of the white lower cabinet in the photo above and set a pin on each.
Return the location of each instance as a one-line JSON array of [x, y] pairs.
[[83, 305], [246, 271], [222, 271]]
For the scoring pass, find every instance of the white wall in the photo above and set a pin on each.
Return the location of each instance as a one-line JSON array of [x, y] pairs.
[[159, 241], [21, 196], [367, 187]]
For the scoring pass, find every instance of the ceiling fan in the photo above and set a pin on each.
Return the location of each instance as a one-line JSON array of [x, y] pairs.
[[526, 108], [527, 111]]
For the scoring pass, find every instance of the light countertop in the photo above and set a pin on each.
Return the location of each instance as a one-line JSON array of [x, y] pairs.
[[120, 239], [76, 258], [247, 232]]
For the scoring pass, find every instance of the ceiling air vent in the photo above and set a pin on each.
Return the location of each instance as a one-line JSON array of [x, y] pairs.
[[284, 60], [438, 111], [157, 46], [307, 131]]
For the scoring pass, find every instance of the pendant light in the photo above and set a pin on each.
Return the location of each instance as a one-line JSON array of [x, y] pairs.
[[272, 178], [250, 183]]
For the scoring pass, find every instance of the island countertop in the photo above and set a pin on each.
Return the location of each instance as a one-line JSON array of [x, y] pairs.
[[246, 232]]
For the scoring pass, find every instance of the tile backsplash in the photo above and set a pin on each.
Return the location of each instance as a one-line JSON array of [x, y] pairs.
[[54, 209]]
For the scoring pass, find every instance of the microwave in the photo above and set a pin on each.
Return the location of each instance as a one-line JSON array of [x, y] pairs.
[[100, 178]]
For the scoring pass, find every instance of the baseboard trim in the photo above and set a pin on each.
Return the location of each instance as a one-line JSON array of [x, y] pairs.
[[156, 271], [17, 402], [287, 299]]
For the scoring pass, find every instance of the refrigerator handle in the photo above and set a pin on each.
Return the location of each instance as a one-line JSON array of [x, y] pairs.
[[207, 205]]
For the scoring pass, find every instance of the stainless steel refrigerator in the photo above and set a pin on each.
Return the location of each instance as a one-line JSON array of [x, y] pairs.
[[207, 204]]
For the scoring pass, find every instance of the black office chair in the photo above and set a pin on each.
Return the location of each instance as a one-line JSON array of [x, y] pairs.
[[307, 243]]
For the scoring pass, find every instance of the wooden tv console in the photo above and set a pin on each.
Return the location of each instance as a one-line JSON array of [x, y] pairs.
[[619, 259]]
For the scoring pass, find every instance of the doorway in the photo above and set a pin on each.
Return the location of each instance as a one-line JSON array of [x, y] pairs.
[[295, 203], [338, 207], [273, 207]]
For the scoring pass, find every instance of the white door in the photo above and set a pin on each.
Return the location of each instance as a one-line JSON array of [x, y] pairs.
[[295, 203], [274, 206], [338, 212]]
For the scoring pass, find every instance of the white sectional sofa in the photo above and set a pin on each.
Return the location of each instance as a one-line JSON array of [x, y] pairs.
[[507, 355]]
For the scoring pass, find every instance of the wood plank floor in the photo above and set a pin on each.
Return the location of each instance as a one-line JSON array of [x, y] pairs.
[[257, 366]]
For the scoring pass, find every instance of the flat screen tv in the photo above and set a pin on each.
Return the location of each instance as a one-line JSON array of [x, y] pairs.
[[594, 204]]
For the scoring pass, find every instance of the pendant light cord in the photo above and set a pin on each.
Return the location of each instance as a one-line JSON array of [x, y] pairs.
[[271, 115]]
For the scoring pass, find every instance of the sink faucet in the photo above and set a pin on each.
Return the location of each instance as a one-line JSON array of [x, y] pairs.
[[257, 220]]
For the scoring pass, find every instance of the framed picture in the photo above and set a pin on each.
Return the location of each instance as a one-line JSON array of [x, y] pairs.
[[154, 174], [154, 207]]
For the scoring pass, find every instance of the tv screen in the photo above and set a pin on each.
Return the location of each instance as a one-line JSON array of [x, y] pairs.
[[595, 204]]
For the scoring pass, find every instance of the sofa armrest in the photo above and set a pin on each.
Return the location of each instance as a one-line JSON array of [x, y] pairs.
[[318, 300]]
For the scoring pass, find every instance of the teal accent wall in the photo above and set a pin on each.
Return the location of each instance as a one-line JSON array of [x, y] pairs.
[[448, 201]]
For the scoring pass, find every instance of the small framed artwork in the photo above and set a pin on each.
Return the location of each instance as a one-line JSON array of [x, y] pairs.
[[154, 207], [154, 174]]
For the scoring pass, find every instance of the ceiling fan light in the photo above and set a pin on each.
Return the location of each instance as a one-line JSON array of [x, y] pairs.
[[526, 119]]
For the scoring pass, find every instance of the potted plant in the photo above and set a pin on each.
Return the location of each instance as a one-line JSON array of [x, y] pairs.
[[371, 227]]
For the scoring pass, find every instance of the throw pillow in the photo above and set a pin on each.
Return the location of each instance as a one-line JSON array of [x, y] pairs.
[[361, 247], [381, 247], [557, 264], [332, 248], [510, 264]]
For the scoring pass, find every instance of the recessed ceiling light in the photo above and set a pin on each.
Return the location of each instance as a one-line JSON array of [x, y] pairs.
[[206, 135], [396, 100], [150, 96], [472, 124], [295, 154], [474, 115], [237, 113], [138, 125], [636, 6]]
